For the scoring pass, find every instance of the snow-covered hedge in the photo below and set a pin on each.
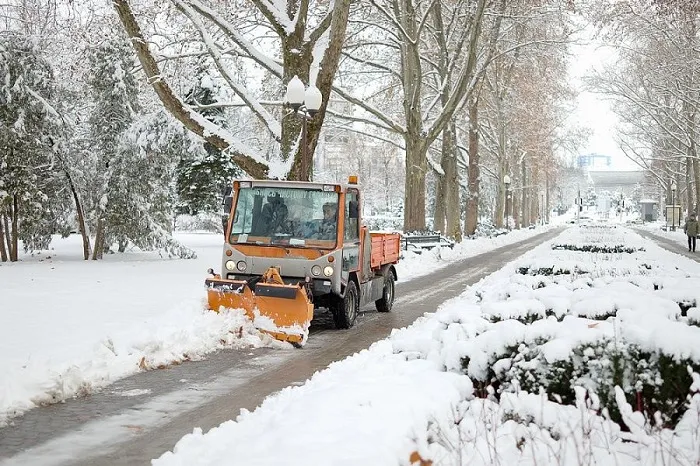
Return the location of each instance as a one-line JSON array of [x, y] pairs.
[[596, 311]]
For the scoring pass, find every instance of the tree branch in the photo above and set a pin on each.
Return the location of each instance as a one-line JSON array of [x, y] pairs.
[[254, 166], [263, 115]]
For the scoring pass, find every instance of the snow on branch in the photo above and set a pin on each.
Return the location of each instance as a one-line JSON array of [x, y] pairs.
[[231, 32], [435, 166], [47, 106], [275, 14], [390, 124], [318, 52], [393, 20], [263, 115], [246, 157], [322, 28]]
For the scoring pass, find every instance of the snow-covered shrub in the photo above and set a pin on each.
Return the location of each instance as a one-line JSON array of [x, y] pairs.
[[652, 382], [383, 223], [594, 248], [595, 311], [203, 221], [546, 271]]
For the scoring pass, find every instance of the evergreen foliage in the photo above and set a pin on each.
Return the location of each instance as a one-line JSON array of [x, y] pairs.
[[30, 193], [202, 175], [133, 196]]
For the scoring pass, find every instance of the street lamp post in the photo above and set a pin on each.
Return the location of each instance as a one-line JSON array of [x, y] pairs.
[[305, 102], [621, 205], [542, 208], [673, 206], [506, 181]]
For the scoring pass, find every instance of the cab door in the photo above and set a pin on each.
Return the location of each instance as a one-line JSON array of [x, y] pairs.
[[351, 234]]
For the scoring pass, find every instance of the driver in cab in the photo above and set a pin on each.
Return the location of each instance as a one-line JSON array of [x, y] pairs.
[[329, 222]]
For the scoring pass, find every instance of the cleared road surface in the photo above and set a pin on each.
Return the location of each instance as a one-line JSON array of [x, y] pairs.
[[140, 417]]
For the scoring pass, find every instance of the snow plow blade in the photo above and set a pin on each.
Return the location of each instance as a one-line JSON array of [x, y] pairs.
[[280, 310]]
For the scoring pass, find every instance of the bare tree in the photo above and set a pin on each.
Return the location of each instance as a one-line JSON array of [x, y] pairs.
[[520, 110], [405, 58], [656, 87]]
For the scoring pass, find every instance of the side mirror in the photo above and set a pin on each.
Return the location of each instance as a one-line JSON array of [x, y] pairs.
[[228, 203]]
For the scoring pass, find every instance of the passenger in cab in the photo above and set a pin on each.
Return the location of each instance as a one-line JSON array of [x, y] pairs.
[[329, 223]]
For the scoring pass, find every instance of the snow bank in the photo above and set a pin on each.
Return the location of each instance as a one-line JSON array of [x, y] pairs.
[[371, 402]]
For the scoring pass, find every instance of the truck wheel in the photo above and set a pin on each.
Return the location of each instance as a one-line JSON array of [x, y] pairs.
[[387, 300], [345, 309]]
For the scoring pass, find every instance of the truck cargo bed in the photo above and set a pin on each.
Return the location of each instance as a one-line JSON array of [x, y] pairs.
[[386, 248]]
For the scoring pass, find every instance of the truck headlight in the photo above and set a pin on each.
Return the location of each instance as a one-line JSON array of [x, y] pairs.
[[241, 266], [316, 270], [230, 265], [328, 271]]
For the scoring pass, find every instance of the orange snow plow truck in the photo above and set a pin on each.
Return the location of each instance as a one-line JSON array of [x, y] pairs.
[[292, 247]]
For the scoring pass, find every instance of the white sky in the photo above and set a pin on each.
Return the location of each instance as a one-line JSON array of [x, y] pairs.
[[592, 111]]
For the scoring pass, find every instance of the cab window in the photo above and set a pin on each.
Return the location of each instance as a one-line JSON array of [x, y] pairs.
[[352, 216]]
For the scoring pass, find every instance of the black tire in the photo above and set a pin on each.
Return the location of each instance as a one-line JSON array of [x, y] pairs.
[[345, 308], [387, 300]]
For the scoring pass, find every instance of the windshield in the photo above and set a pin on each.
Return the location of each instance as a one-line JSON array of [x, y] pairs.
[[288, 216]]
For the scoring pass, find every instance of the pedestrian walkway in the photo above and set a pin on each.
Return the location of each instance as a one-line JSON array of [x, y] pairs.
[[670, 244]]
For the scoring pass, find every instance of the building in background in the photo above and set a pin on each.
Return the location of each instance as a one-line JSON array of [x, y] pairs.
[[594, 162]]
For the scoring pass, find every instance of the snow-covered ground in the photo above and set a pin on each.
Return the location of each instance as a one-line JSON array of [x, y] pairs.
[[70, 327], [452, 388]]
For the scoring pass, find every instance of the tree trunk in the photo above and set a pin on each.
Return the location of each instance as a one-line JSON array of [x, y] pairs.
[[696, 171], [3, 249], [502, 169], [416, 146], [689, 186], [14, 247], [302, 168], [440, 210], [99, 240], [81, 217], [8, 235], [454, 205], [508, 208], [524, 220], [447, 201], [414, 196], [545, 207], [499, 211], [472, 212], [296, 59]]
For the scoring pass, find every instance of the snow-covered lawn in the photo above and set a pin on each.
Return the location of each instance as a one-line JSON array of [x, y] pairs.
[[69, 327], [565, 356]]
